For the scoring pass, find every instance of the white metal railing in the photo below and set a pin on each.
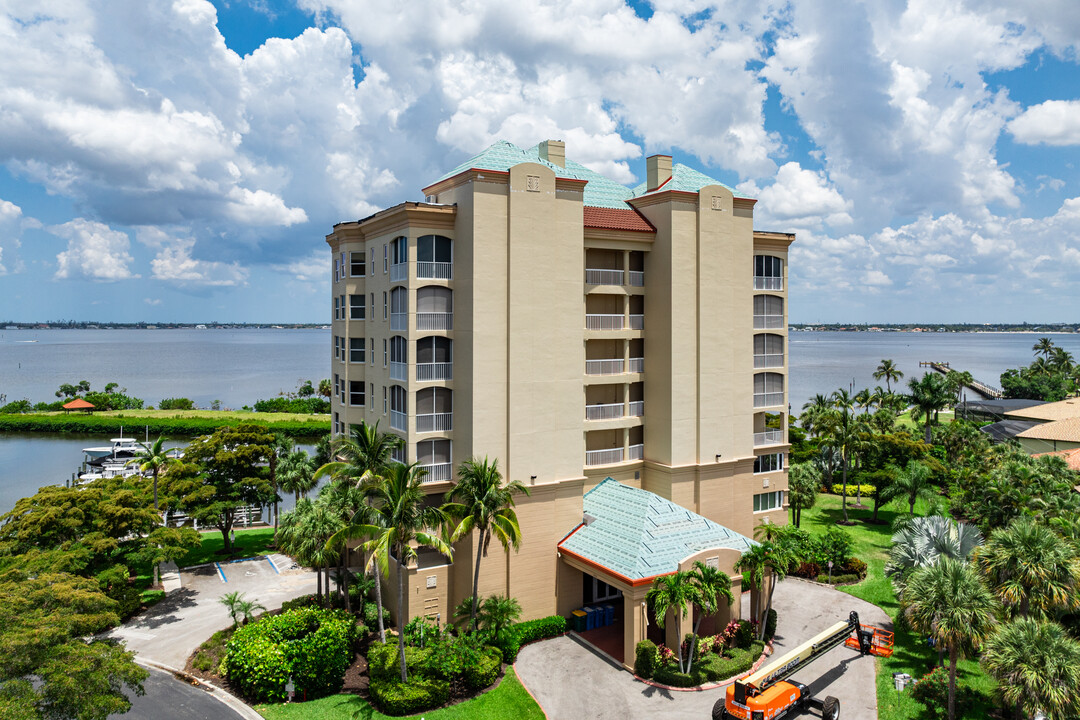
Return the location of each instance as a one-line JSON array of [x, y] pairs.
[[426, 372], [637, 408], [604, 367], [399, 321], [636, 278], [434, 321], [637, 452], [399, 371], [603, 457], [768, 283], [603, 277], [435, 422], [435, 270], [769, 437], [769, 361], [637, 365], [399, 272], [768, 322], [438, 472], [399, 420], [604, 322], [637, 322], [606, 411], [768, 399]]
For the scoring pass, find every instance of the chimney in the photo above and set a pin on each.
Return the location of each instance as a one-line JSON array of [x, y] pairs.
[[554, 151], [658, 168]]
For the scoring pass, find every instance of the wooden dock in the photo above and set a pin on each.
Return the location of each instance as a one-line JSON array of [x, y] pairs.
[[988, 391]]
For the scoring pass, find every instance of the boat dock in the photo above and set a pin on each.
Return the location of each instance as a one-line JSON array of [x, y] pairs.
[[988, 391]]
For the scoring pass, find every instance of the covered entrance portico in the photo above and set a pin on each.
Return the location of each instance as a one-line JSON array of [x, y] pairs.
[[627, 539]]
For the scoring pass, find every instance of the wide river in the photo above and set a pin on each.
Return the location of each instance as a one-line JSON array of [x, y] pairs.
[[239, 367]]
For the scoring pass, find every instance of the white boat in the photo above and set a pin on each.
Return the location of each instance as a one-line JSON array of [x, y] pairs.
[[125, 448]]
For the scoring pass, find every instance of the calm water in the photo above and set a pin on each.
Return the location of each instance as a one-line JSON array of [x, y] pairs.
[[241, 366]]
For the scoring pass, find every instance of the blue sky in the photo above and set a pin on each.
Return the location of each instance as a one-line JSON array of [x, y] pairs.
[[182, 161]]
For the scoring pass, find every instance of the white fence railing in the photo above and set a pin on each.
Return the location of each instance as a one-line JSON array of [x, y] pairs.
[[768, 283], [769, 437], [604, 367], [768, 322], [399, 272], [768, 399], [439, 472], [399, 420], [607, 411], [603, 277], [637, 322], [637, 408], [604, 322], [434, 321], [636, 278], [435, 270], [425, 372], [637, 365], [637, 452], [768, 361], [435, 422], [603, 457], [399, 371]]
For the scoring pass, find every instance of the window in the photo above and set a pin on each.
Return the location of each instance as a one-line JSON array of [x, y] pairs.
[[384, 352], [371, 344], [768, 389], [371, 396], [373, 261], [768, 312], [337, 309], [434, 358], [337, 347], [341, 303], [356, 350], [337, 270], [337, 425], [385, 304], [769, 463], [768, 351], [434, 257], [384, 257], [434, 308], [337, 384], [356, 264], [434, 410], [356, 393], [769, 501], [356, 307], [601, 590], [768, 273], [399, 251], [435, 456], [384, 400]]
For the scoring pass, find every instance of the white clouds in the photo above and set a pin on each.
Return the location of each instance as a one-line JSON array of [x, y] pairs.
[[802, 198], [174, 264], [10, 221], [1054, 122], [94, 251]]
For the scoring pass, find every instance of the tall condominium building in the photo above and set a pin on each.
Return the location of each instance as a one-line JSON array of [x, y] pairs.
[[621, 351]]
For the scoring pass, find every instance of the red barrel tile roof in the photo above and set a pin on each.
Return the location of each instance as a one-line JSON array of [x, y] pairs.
[[616, 219]]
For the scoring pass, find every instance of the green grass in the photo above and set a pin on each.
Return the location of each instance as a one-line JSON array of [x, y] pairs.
[[508, 700], [249, 543], [910, 652]]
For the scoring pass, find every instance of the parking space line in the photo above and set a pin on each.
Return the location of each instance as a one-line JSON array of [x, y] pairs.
[[221, 573], [271, 561]]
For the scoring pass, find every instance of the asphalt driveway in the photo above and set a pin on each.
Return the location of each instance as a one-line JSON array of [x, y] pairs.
[[168, 697]]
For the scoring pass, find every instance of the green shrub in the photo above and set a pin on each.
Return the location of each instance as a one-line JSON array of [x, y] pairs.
[[670, 675], [744, 634], [171, 426], [485, 671], [19, 406], [176, 404], [300, 406], [756, 648], [384, 662], [418, 694], [300, 602], [371, 615], [835, 546], [421, 631], [645, 659], [867, 490], [449, 656], [932, 690], [518, 634], [770, 624]]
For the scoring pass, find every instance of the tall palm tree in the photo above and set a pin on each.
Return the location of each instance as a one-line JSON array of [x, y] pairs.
[[154, 459], [843, 433], [296, 473], [281, 447], [1062, 360], [814, 413], [304, 533], [910, 483], [761, 561], [675, 593], [948, 601], [957, 380], [1031, 569], [888, 372], [397, 523], [929, 395], [480, 501], [1043, 346], [864, 399], [714, 592], [1037, 666], [804, 482]]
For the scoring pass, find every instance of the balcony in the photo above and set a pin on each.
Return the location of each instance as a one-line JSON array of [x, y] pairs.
[[426, 372], [768, 283], [435, 422], [768, 322], [604, 367], [604, 322], [769, 437], [636, 278], [637, 322], [768, 399], [434, 321], [603, 277], [637, 452], [399, 371], [637, 408], [769, 361], [438, 472], [399, 420], [606, 411], [435, 270], [399, 272], [603, 457], [399, 321], [637, 365]]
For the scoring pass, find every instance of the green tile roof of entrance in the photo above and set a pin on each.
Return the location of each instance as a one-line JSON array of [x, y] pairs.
[[638, 534]]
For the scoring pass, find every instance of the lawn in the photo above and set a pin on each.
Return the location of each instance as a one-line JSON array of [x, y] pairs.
[[911, 653], [249, 543], [508, 700], [238, 415]]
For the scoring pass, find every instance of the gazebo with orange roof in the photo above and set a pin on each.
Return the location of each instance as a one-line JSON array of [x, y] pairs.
[[78, 404]]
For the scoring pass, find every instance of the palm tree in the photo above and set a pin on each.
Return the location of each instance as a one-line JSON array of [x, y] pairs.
[[814, 413], [480, 501], [676, 593], [397, 523], [888, 372], [804, 481], [911, 483], [714, 592], [864, 399], [1043, 346], [1037, 666], [239, 606], [929, 394], [925, 539], [304, 534], [947, 601], [957, 380], [154, 458], [296, 473], [247, 608], [843, 434], [281, 447], [827, 461], [1031, 569], [1062, 360], [762, 560], [497, 613]]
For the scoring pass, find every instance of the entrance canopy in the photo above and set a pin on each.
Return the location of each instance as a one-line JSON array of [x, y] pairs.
[[637, 535]]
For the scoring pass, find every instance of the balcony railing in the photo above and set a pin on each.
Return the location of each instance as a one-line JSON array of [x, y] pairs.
[[768, 399], [434, 321], [426, 372], [399, 272], [399, 420], [768, 283], [637, 365], [637, 452], [636, 278], [604, 367], [604, 322], [603, 277], [769, 437], [438, 472], [435, 422], [603, 457], [768, 322], [769, 361], [607, 411], [399, 371], [637, 408], [435, 270], [399, 321], [637, 322]]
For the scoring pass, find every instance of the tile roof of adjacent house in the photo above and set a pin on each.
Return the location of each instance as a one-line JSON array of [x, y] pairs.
[[1067, 430], [1068, 408], [638, 535], [1071, 457], [616, 219]]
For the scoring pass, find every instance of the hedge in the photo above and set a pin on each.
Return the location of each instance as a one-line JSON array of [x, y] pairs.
[[709, 669], [418, 694], [525, 632], [384, 662], [172, 426], [866, 490], [645, 658]]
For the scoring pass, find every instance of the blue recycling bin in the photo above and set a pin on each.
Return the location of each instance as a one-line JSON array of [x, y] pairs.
[[609, 614], [593, 622]]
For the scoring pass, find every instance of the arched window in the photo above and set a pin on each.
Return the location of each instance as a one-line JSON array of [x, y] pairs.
[[768, 350], [399, 258], [768, 312], [435, 456], [399, 358], [434, 410], [399, 408], [434, 358], [434, 308], [434, 257], [399, 309], [768, 389], [768, 273]]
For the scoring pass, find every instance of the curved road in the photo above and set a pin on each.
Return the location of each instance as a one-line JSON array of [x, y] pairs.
[[169, 697]]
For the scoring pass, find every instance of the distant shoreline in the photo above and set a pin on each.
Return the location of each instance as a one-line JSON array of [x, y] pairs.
[[162, 326], [922, 329]]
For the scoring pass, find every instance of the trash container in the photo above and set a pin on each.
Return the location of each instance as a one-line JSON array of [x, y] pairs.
[[591, 623], [609, 614], [579, 620]]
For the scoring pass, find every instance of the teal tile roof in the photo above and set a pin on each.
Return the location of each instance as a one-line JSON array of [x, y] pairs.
[[687, 179], [638, 534]]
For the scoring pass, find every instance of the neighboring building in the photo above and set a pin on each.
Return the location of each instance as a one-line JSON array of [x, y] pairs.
[[575, 329], [1057, 426]]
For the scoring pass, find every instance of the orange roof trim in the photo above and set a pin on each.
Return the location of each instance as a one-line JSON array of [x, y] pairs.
[[616, 219]]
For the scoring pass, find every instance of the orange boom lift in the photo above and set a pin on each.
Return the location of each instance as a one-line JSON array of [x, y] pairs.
[[768, 695]]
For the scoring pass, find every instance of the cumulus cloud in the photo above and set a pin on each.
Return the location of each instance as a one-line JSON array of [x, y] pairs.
[[174, 264], [94, 251], [10, 231], [800, 198], [1054, 122]]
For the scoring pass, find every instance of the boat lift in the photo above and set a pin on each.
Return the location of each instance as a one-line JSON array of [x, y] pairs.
[[768, 695]]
